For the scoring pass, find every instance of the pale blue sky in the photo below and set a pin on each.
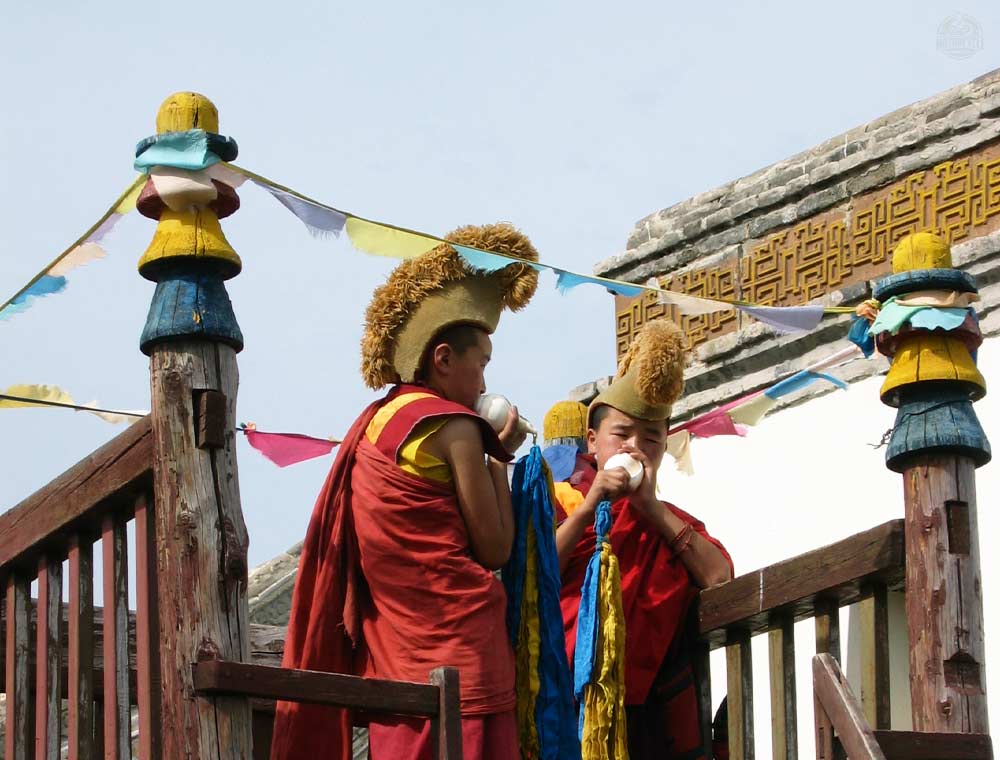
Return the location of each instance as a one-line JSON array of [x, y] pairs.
[[571, 120]]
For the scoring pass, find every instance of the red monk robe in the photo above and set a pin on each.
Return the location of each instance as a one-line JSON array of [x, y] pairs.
[[388, 588], [657, 592]]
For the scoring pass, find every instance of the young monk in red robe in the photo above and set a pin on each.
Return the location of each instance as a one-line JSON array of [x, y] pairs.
[[395, 576], [665, 555]]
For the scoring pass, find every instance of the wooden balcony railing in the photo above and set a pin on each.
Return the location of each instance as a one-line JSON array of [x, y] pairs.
[[101, 662], [771, 600], [54, 651]]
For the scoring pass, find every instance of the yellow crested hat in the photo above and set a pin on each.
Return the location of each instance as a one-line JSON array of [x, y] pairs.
[[650, 376], [428, 294], [565, 419]]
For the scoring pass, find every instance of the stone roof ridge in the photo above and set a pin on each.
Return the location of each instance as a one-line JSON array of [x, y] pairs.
[[269, 587], [861, 158]]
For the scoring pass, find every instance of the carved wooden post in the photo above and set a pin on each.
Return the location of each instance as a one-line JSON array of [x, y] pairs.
[[937, 443], [191, 337]]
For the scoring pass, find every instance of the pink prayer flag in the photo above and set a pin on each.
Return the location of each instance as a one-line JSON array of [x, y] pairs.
[[713, 424], [717, 421], [289, 448]]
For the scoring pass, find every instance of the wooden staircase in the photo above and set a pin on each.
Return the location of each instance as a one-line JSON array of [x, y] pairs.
[[841, 727]]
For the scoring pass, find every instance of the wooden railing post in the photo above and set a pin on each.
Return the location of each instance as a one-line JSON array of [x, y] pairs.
[[739, 695], [873, 611], [784, 723], [702, 671], [936, 444], [192, 337]]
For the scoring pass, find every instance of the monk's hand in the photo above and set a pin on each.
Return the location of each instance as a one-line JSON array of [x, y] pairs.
[[511, 436], [610, 484], [644, 498]]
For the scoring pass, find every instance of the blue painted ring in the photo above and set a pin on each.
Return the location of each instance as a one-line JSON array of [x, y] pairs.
[[924, 279]]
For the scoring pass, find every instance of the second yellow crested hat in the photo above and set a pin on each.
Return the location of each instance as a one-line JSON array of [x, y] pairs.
[[428, 294], [650, 375], [565, 419]]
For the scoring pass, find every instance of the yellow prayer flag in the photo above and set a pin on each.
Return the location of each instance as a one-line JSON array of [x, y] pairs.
[[128, 199], [39, 392], [753, 411], [372, 237]]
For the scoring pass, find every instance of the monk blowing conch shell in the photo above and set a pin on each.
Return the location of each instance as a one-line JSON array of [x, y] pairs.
[[395, 577]]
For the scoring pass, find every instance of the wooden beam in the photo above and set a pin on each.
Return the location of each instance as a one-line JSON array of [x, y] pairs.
[[944, 607], [218, 677], [447, 724], [105, 480], [834, 572], [917, 745], [843, 709], [201, 550]]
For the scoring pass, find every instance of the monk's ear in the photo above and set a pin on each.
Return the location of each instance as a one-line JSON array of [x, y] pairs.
[[441, 357], [591, 441]]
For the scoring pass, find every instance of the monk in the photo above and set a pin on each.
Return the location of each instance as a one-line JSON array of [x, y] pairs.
[[665, 555], [395, 577]]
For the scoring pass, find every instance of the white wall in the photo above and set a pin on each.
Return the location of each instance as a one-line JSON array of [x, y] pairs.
[[806, 477]]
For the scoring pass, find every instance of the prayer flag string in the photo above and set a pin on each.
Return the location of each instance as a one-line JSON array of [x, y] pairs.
[[384, 239]]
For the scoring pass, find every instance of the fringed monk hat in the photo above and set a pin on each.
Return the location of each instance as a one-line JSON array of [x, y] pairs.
[[565, 424], [428, 294], [650, 376]]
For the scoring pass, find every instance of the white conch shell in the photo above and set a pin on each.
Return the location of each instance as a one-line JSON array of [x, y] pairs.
[[494, 409], [630, 464]]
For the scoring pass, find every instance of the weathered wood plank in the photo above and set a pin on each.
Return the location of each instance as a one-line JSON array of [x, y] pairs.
[[17, 739], [784, 723], [834, 572], [447, 724], [843, 710], [201, 550], [115, 644], [106, 479], [943, 597], [80, 726], [915, 745], [739, 693], [218, 677], [146, 630], [873, 616], [48, 651]]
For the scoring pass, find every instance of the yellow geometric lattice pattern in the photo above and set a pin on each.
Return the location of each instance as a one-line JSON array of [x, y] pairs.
[[957, 199]]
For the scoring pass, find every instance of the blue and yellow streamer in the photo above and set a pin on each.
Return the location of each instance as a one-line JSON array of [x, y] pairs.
[[599, 662], [545, 713]]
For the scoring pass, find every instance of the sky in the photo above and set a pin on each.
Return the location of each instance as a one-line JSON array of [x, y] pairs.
[[571, 120]]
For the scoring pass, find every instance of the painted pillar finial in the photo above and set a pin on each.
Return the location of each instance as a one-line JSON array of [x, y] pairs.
[[926, 325], [928, 329], [191, 338], [189, 257]]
